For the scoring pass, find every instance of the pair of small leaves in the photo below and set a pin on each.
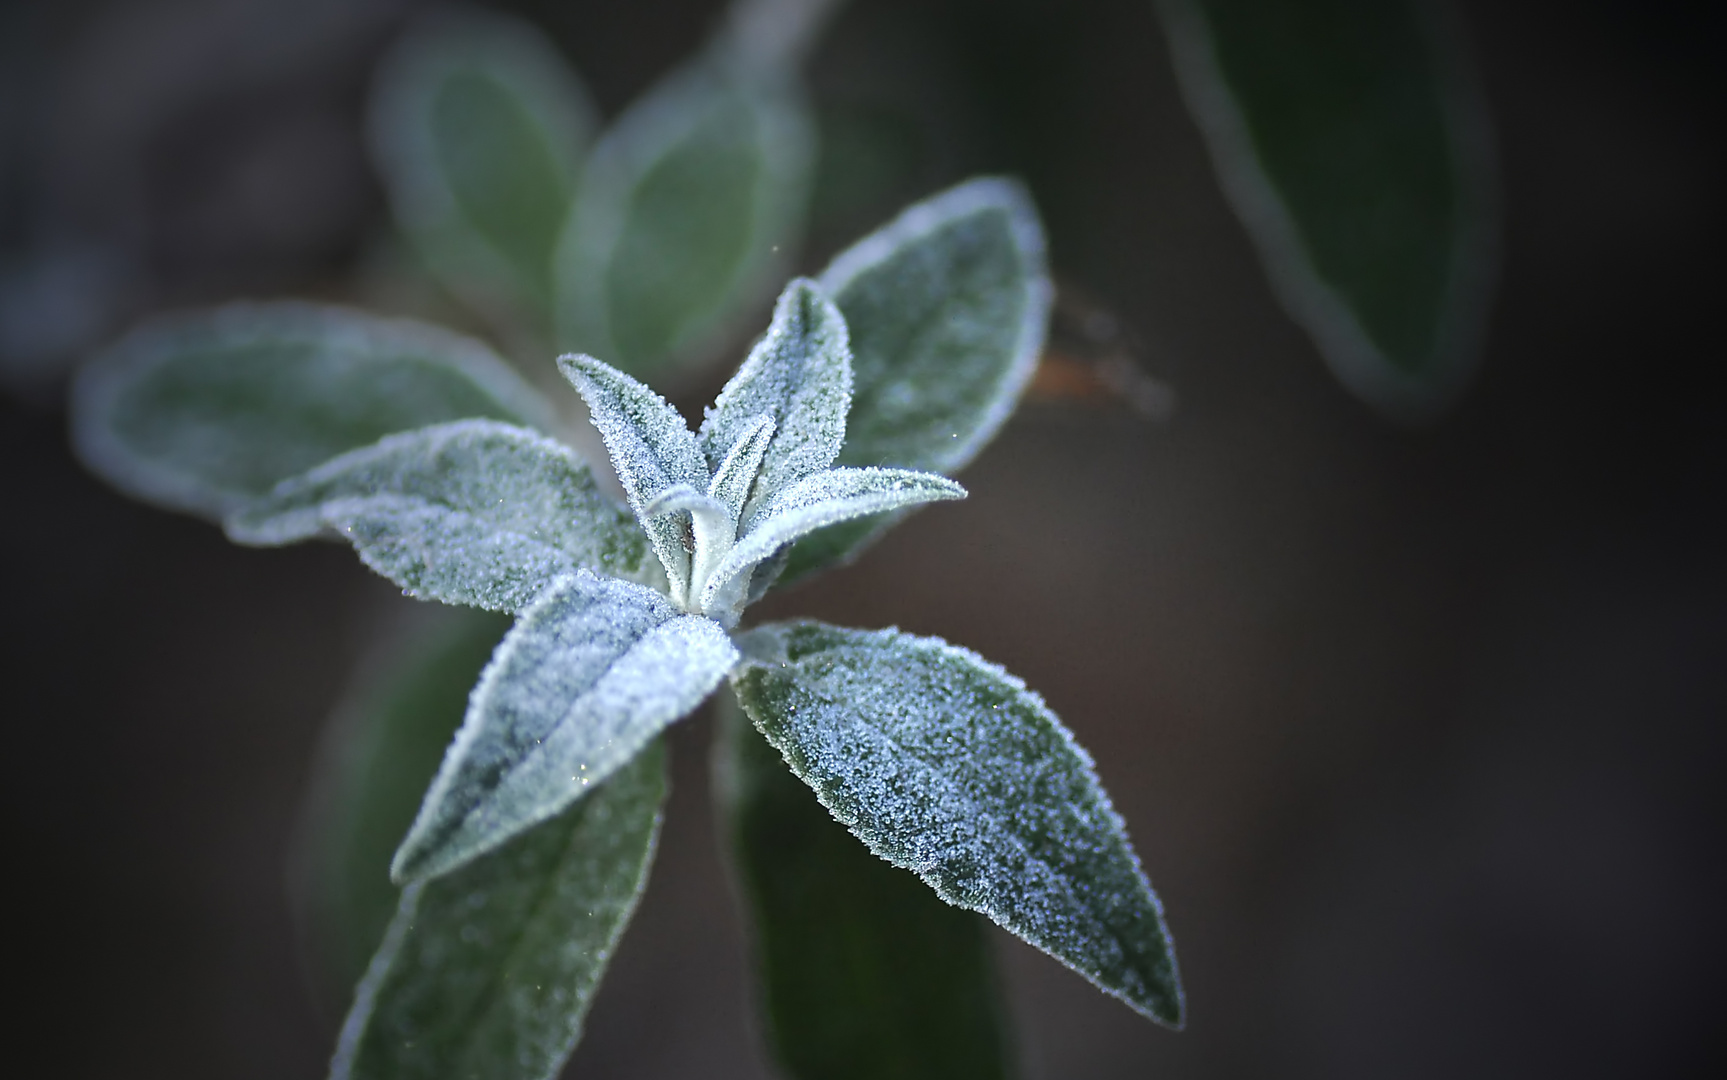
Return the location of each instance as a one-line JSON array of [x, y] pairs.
[[1351, 138], [641, 247]]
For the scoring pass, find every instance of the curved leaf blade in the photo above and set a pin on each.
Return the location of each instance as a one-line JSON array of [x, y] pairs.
[[380, 749], [205, 412], [945, 764], [690, 207], [475, 512], [864, 973], [800, 376], [947, 306], [1351, 139], [479, 128], [489, 970], [586, 678]]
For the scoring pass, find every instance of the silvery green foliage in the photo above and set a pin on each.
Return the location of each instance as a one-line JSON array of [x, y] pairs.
[[712, 531], [205, 412], [688, 208], [585, 679], [474, 512], [947, 306], [479, 128], [1352, 138], [488, 971], [947, 765], [864, 971]]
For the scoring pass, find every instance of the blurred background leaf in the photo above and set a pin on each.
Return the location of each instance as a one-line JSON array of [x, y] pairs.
[[1352, 140]]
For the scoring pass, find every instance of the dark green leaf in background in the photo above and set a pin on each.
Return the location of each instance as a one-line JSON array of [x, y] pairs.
[[947, 307], [205, 412], [479, 128], [865, 973], [1351, 138], [488, 971], [380, 750], [947, 765], [589, 675], [690, 207], [473, 512]]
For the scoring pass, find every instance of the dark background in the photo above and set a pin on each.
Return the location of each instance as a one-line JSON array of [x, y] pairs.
[[1417, 732]]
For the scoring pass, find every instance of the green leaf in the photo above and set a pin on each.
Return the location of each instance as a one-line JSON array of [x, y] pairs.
[[380, 750], [945, 764], [825, 498], [947, 307], [651, 448], [1351, 138], [479, 128], [489, 970], [864, 972], [206, 412], [475, 512], [799, 375], [690, 207], [587, 677]]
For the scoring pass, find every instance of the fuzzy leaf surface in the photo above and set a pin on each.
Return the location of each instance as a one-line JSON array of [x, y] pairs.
[[799, 375], [475, 512], [378, 753], [864, 972], [827, 497], [586, 678], [947, 306], [945, 764], [688, 210], [651, 448], [479, 128], [205, 412], [1352, 139], [489, 970]]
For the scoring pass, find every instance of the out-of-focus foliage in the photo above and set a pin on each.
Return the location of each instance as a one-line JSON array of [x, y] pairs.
[[1351, 138]]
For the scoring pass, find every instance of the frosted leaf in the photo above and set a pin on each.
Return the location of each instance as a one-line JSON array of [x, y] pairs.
[[823, 499], [651, 448], [489, 970], [865, 973], [204, 412], [800, 375], [1354, 143], [377, 753], [736, 473], [581, 683], [479, 128], [690, 208], [947, 765], [712, 528], [947, 307], [475, 512]]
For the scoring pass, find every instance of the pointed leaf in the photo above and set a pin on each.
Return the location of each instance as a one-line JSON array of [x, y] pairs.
[[489, 971], [800, 375], [864, 972], [205, 412], [823, 499], [651, 448], [735, 476], [585, 679], [479, 127], [947, 307], [945, 764], [475, 512], [380, 749], [1352, 140], [689, 208]]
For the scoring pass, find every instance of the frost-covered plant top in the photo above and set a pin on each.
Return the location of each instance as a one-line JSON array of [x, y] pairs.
[[534, 838]]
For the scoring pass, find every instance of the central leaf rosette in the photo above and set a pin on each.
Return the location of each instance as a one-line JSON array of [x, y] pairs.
[[720, 505]]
